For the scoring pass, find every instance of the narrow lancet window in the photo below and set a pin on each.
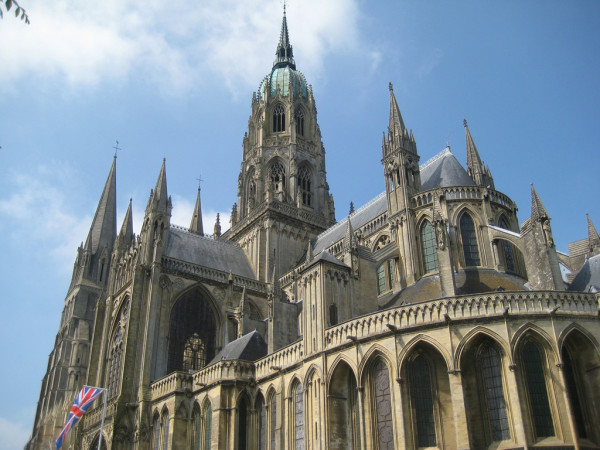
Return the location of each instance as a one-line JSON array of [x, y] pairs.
[[278, 119], [469, 241], [304, 183], [536, 387], [430, 261], [299, 117]]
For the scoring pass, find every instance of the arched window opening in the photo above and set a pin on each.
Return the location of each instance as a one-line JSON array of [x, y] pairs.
[[299, 117], [507, 250], [536, 387], [342, 404], [278, 119], [165, 428], [381, 405], [192, 333], [422, 401], [386, 275], [273, 420], [469, 241], [428, 247], [115, 364], [574, 391], [277, 175], [333, 314], [94, 445], [207, 419], [262, 423], [304, 183], [489, 364], [156, 434], [251, 192], [298, 414], [242, 424], [197, 429]]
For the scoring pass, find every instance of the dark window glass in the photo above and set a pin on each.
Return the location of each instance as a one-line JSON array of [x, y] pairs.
[[572, 389], [430, 261], [491, 371], [538, 394], [390, 270], [277, 173], [273, 420], [299, 417], [333, 316], [305, 186], [509, 257], [299, 116], [207, 427], [242, 424], [381, 288], [383, 406], [192, 333], [469, 241], [165, 438], [422, 399], [262, 423], [278, 119], [156, 438], [197, 439]]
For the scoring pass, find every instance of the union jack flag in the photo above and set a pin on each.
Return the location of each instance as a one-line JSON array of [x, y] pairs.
[[83, 401]]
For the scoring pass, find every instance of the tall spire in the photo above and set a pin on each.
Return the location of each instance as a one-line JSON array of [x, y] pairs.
[[396, 126], [103, 230], [126, 234], [537, 208], [196, 225], [159, 198], [285, 53], [475, 168]]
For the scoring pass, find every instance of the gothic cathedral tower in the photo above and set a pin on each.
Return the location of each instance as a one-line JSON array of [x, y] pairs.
[[283, 195]]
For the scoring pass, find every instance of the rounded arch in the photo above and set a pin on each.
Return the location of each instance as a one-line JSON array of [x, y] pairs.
[[423, 340], [473, 337], [375, 352]]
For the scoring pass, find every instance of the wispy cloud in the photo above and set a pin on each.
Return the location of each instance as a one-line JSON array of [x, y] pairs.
[[38, 215], [12, 434], [87, 43]]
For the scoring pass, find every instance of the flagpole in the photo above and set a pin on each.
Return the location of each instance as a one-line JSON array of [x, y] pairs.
[[102, 421]]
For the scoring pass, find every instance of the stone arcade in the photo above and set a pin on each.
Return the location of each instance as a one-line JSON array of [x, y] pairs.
[[426, 318]]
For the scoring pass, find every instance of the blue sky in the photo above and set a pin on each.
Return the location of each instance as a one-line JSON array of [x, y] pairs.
[[174, 79]]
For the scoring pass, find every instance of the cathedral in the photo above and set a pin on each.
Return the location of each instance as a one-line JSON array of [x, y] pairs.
[[427, 318]]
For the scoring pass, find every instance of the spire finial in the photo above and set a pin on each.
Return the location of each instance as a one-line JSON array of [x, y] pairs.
[[117, 148], [465, 123], [391, 87], [284, 53]]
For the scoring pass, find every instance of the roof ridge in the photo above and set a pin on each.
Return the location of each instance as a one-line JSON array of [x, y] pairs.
[[433, 159], [345, 219], [205, 237]]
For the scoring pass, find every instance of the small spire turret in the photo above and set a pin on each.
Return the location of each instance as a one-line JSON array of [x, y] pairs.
[[196, 224], [285, 53], [217, 230], [478, 172], [538, 212]]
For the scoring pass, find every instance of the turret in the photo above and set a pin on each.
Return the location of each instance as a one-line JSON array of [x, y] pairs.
[[541, 260], [157, 218], [478, 172], [196, 224]]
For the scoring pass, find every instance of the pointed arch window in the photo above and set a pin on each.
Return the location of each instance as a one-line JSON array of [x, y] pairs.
[[490, 366], [304, 183], [165, 433], [197, 430], [262, 423], [115, 365], [242, 430], [333, 314], [298, 414], [277, 175], [278, 119], [207, 416], [428, 248], [469, 241], [156, 434], [386, 275], [192, 333], [422, 399], [299, 117], [535, 379], [381, 405], [509, 258], [273, 420]]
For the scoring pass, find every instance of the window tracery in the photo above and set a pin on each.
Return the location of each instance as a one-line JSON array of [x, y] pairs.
[[298, 411], [299, 118], [278, 119], [382, 406], [277, 175], [304, 183], [428, 247], [535, 379], [422, 399], [469, 241], [115, 366]]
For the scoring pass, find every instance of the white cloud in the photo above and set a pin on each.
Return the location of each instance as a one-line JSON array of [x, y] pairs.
[[171, 43], [12, 435], [38, 214]]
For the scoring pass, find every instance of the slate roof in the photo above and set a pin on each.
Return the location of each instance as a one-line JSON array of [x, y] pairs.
[[325, 256], [442, 170], [588, 278], [249, 347], [221, 255]]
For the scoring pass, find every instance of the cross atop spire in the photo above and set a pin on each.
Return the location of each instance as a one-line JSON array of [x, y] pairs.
[[285, 53]]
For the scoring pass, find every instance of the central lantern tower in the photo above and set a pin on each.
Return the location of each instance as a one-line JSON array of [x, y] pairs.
[[283, 195]]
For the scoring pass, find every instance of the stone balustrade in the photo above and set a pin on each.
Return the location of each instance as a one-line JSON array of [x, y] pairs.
[[231, 369], [282, 358], [174, 382]]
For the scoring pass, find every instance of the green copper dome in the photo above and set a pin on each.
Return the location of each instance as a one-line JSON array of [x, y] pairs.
[[279, 78]]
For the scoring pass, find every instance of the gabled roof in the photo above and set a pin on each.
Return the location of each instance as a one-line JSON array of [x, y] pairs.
[[221, 255], [249, 347], [444, 170], [326, 257]]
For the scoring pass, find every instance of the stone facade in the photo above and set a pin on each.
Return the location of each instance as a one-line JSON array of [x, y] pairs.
[[426, 318]]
